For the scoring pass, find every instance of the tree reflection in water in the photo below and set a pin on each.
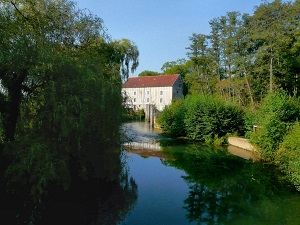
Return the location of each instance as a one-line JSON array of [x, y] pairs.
[[101, 192], [225, 189]]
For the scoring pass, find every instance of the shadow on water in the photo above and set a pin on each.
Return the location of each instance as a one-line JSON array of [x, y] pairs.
[[104, 194]]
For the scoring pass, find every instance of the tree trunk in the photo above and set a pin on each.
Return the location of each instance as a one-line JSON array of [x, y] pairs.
[[11, 110], [10, 117], [295, 85], [249, 91], [271, 72]]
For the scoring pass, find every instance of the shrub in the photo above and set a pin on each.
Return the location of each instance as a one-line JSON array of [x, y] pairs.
[[288, 155], [171, 118], [203, 118], [209, 116], [277, 113], [250, 121]]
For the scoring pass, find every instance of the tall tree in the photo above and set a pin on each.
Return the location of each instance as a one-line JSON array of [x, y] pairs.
[[60, 90], [216, 51], [40, 38], [269, 29], [180, 66], [201, 63]]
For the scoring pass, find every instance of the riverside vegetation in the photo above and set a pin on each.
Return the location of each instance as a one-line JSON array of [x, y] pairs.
[[60, 105], [244, 73], [211, 119], [60, 91]]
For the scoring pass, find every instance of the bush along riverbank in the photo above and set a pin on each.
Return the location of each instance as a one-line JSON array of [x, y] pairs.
[[211, 119], [202, 118]]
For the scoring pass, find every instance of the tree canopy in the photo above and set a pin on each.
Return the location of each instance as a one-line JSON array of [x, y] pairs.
[[244, 57], [60, 89], [148, 73], [46, 42]]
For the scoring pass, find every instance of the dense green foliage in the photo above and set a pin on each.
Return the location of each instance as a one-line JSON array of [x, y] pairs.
[[208, 117], [288, 155], [202, 118], [277, 136], [276, 115], [244, 57], [180, 66], [52, 48], [148, 73], [172, 117], [252, 60], [60, 89]]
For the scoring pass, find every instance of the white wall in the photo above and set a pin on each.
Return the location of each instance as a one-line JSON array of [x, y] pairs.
[[158, 96]]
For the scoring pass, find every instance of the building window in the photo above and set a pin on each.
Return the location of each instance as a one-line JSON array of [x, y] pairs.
[[134, 93], [161, 92], [148, 92], [160, 100], [134, 100], [147, 99]]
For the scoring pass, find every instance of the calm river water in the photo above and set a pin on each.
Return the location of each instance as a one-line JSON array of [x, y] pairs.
[[154, 180], [191, 183]]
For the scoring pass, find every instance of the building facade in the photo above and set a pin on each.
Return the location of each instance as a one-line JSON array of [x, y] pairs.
[[157, 91]]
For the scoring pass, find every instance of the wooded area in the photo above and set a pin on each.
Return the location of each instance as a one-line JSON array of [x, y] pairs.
[[61, 76], [60, 88], [244, 57], [244, 73]]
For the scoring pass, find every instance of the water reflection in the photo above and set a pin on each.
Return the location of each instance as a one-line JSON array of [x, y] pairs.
[[212, 186], [224, 189], [100, 193], [140, 132], [139, 138], [245, 154]]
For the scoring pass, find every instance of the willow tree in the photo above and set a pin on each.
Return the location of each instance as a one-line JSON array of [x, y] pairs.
[[60, 89], [41, 40], [36, 37]]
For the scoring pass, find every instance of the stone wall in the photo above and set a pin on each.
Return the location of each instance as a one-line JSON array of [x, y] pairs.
[[241, 143]]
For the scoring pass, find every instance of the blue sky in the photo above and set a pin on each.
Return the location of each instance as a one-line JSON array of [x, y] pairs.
[[161, 28]]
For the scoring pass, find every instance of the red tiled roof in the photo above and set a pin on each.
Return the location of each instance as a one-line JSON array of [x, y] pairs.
[[151, 81]]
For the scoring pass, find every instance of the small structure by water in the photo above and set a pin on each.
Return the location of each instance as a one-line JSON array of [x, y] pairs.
[[242, 148]]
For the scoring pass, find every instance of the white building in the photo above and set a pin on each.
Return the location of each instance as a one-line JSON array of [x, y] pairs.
[[152, 90]]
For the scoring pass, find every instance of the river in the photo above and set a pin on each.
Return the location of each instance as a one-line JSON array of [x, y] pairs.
[[154, 180], [191, 183]]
